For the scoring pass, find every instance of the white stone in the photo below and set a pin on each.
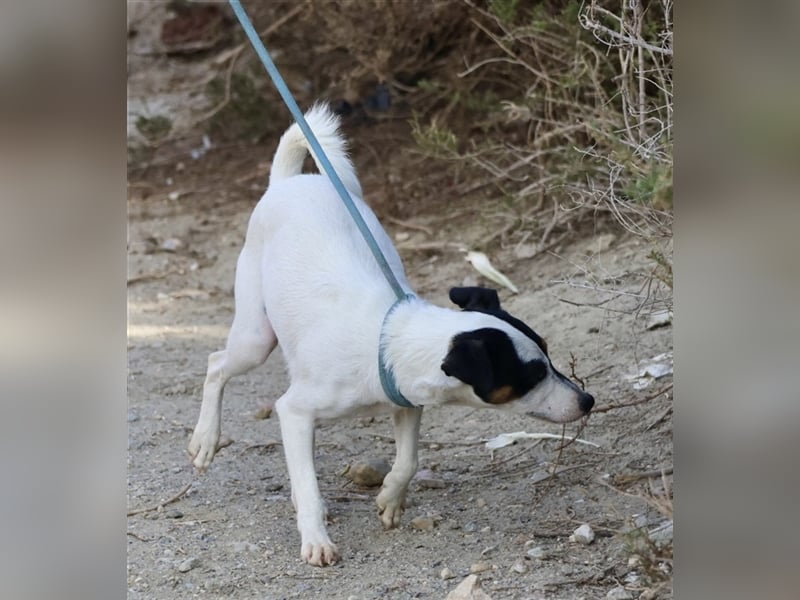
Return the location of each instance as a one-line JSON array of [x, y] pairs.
[[583, 535]]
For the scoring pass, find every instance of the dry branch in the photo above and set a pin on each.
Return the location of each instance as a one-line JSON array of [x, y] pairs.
[[161, 505]]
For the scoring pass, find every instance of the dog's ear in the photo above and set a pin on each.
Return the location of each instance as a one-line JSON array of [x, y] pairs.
[[469, 361], [475, 298]]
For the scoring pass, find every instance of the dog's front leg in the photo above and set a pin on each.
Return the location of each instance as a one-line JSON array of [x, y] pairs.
[[395, 484], [297, 431]]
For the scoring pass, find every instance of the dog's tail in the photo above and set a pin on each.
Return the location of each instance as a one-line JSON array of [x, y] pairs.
[[294, 146]]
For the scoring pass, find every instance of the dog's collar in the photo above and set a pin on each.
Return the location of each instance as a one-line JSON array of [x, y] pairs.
[[384, 370]]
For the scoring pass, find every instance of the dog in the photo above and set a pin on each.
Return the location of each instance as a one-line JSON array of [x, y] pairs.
[[305, 278]]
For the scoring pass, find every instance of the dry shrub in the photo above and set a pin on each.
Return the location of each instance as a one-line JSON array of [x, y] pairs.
[[393, 41], [571, 112]]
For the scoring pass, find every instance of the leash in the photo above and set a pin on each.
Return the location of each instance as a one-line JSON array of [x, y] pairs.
[[386, 375]]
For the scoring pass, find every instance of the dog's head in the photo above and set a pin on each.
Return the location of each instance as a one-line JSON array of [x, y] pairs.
[[507, 364]]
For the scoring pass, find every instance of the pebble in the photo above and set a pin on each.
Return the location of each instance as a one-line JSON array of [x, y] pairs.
[[132, 417], [171, 244], [174, 514], [480, 567], [583, 535], [189, 564], [537, 552], [663, 533], [433, 483], [369, 473], [480, 503], [446, 574], [244, 547], [469, 589], [471, 527], [519, 567], [423, 523], [274, 487], [618, 593], [263, 412]]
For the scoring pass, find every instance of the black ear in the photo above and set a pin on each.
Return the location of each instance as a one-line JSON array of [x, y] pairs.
[[475, 298], [469, 361]]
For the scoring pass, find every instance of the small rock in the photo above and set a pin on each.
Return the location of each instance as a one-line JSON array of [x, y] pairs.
[[244, 547], [446, 574], [132, 417], [583, 535], [430, 484], [368, 474], [537, 552], [174, 514], [524, 251], [519, 567], [660, 318], [663, 533], [469, 589], [480, 567], [171, 244], [274, 487], [189, 564], [263, 412], [427, 479], [619, 593], [471, 527], [640, 521], [480, 503], [423, 523]]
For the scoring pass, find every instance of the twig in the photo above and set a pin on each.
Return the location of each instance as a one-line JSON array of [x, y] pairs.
[[609, 407], [432, 246], [148, 276], [564, 470], [409, 225], [174, 498], [265, 445], [233, 54], [596, 27], [138, 537], [388, 438], [573, 362], [626, 478]]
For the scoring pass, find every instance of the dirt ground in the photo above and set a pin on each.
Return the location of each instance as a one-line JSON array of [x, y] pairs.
[[506, 514]]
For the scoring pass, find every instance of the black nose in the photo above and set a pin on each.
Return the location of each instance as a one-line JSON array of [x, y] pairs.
[[586, 402]]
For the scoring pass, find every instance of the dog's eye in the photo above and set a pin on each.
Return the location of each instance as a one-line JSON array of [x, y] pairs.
[[535, 372]]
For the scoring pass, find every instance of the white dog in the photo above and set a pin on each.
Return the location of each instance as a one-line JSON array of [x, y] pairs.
[[306, 278]]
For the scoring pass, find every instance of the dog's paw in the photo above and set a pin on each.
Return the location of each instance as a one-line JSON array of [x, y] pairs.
[[390, 509], [319, 554], [202, 447]]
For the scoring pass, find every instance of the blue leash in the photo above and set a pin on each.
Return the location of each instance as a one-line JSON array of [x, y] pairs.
[[387, 376]]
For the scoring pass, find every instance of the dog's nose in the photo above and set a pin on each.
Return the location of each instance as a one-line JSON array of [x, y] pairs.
[[586, 402]]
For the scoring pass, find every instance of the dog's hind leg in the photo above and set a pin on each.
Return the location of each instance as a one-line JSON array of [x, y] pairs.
[[250, 342], [395, 484], [297, 431]]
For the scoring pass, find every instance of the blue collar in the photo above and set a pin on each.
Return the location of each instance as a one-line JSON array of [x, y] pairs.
[[385, 371]]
